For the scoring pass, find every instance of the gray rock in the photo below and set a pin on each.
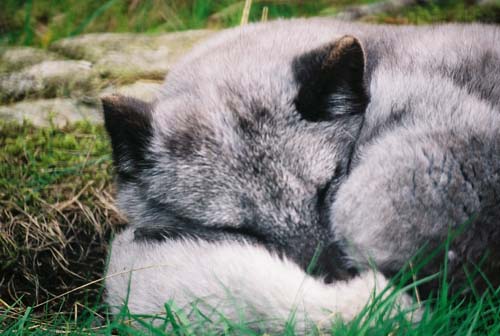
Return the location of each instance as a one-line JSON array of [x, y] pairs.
[[356, 12], [57, 111], [488, 2], [144, 90], [49, 79], [108, 61], [129, 57], [15, 58]]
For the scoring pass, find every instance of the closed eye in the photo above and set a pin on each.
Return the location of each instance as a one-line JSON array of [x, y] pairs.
[[326, 195], [322, 193], [175, 226], [246, 232]]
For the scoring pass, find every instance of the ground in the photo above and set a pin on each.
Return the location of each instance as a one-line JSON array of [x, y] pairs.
[[56, 193]]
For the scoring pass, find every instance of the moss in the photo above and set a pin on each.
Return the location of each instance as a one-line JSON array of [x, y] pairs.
[[443, 11], [55, 209]]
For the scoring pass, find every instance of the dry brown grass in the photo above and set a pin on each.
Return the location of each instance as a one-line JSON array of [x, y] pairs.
[[56, 213]]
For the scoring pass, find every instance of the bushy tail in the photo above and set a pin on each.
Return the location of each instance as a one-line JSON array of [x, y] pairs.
[[236, 280]]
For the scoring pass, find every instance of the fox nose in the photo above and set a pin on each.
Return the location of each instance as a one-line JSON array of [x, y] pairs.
[[420, 193]]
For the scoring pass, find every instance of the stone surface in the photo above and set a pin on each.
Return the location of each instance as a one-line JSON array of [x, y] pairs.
[[77, 71], [57, 111], [48, 79], [129, 57], [144, 90], [15, 58]]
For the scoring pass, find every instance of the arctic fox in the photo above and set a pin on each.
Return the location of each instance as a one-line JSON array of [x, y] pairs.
[[305, 145]]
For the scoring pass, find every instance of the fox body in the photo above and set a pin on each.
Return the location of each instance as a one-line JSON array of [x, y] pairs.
[[275, 147]]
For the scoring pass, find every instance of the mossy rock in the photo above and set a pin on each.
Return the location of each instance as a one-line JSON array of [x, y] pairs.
[[146, 90], [48, 79], [16, 58], [58, 112], [129, 57]]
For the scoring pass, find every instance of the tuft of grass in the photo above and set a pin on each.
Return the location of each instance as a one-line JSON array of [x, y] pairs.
[[56, 211], [443, 11], [40, 22], [440, 315]]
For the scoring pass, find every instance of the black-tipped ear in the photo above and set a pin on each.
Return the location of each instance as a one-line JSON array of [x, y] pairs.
[[331, 81], [128, 122]]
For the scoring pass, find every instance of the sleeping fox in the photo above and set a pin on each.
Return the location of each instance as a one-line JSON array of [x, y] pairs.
[[281, 159]]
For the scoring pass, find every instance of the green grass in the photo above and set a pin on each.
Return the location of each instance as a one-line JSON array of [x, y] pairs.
[[441, 315], [33, 160], [443, 11], [56, 192], [42, 168], [41, 22], [56, 211]]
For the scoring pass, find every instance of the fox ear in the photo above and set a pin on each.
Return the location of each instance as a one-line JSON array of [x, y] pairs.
[[128, 122], [331, 81]]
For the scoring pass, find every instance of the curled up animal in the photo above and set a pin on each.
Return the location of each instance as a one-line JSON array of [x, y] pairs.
[[279, 145]]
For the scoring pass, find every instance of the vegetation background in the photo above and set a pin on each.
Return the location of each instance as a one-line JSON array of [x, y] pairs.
[[56, 193], [40, 22]]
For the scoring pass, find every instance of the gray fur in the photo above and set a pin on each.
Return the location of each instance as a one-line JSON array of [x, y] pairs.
[[226, 155], [232, 280], [230, 155], [427, 163]]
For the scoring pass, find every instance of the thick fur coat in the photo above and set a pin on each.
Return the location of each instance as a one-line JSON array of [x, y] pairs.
[[307, 145]]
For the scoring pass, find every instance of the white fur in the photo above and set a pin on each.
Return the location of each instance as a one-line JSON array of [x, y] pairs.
[[237, 280]]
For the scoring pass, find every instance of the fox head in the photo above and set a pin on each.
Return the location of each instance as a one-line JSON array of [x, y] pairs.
[[243, 146]]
